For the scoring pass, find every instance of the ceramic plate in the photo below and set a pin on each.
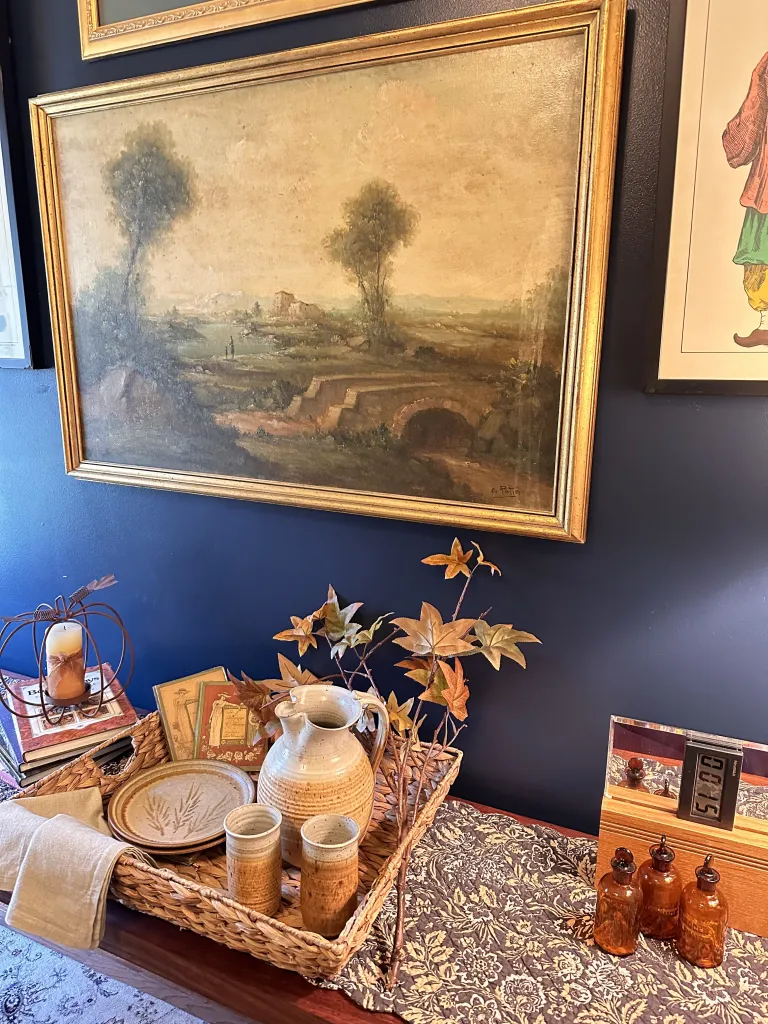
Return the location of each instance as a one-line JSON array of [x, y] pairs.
[[169, 851], [179, 804]]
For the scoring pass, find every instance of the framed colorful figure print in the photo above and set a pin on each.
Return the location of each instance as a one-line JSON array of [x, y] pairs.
[[336, 277], [14, 331], [116, 26], [715, 306]]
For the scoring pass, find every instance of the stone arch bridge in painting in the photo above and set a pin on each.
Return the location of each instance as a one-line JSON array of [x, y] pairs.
[[408, 405]]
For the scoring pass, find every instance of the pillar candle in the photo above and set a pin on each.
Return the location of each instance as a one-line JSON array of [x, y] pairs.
[[64, 661]]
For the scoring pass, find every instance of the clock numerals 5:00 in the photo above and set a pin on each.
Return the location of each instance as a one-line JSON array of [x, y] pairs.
[[710, 776]]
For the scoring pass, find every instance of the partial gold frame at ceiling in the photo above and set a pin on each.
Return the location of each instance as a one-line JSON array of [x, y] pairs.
[[186, 22]]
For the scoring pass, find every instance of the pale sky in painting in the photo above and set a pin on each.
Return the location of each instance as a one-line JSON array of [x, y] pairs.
[[484, 144], [111, 11]]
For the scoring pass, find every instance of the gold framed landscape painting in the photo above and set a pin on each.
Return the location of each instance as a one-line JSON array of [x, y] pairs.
[[116, 26], [366, 276], [715, 303]]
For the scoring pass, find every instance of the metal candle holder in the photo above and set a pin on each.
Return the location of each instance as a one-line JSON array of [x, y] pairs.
[[77, 608]]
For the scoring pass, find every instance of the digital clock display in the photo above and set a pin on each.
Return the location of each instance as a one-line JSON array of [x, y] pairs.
[[709, 786]]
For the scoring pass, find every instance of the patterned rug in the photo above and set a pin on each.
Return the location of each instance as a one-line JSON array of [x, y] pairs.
[[38, 986]]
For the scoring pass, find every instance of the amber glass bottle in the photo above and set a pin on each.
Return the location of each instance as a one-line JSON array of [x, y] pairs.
[[619, 902], [634, 774], [703, 919], [662, 888]]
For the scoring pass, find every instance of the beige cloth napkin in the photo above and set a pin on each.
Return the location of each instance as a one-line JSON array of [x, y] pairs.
[[21, 818], [61, 866]]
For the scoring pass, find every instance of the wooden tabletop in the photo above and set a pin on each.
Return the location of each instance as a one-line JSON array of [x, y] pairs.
[[210, 981]]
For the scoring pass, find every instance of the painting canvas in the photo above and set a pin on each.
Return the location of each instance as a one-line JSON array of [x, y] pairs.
[[115, 26], [715, 330], [374, 288]]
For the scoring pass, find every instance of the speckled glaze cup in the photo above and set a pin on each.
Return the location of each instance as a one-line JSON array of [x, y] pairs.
[[329, 872], [254, 857]]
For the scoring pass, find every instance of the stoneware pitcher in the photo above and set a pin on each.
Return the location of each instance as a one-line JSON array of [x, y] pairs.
[[318, 765]]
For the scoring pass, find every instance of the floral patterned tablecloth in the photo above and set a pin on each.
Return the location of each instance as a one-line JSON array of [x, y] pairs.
[[499, 932]]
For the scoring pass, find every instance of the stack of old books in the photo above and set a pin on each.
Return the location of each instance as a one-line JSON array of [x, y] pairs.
[[32, 747]]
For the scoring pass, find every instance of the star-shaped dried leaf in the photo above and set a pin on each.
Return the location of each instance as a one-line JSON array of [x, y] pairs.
[[430, 635], [482, 560], [502, 640], [456, 692], [257, 696], [301, 633], [341, 647], [454, 563], [250, 691], [367, 722], [337, 621], [436, 687], [421, 670], [398, 714], [415, 732], [418, 669], [365, 636], [292, 675]]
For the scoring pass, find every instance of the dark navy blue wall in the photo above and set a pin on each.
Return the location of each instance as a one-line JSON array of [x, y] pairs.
[[660, 615]]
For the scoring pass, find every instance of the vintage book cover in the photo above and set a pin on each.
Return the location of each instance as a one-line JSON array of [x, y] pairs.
[[226, 729], [31, 773], [177, 703], [9, 741], [8, 761], [77, 730]]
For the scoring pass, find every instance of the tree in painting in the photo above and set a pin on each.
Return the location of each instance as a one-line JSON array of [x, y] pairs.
[[133, 377], [377, 222], [150, 187]]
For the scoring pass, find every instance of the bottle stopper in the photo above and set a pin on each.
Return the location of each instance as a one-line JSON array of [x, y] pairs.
[[662, 855], [635, 771], [623, 861], [707, 876]]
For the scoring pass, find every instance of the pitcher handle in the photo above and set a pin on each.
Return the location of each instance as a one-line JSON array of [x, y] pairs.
[[370, 700]]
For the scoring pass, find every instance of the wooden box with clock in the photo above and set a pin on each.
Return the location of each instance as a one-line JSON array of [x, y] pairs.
[[707, 794]]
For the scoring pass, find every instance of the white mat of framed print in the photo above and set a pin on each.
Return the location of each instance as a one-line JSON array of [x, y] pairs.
[[14, 337], [715, 325]]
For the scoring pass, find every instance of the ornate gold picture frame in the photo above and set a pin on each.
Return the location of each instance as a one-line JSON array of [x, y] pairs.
[[103, 33], [366, 276]]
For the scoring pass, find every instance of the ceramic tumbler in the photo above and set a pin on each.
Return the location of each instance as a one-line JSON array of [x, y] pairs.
[[254, 858], [329, 867]]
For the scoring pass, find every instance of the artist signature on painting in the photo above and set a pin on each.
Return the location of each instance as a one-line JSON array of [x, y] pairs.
[[505, 491]]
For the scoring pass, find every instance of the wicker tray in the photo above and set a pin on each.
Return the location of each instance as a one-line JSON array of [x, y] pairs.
[[191, 891]]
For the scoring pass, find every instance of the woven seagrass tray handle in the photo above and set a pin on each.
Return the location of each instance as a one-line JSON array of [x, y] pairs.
[[79, 774], [369, 700], [148, 749]]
